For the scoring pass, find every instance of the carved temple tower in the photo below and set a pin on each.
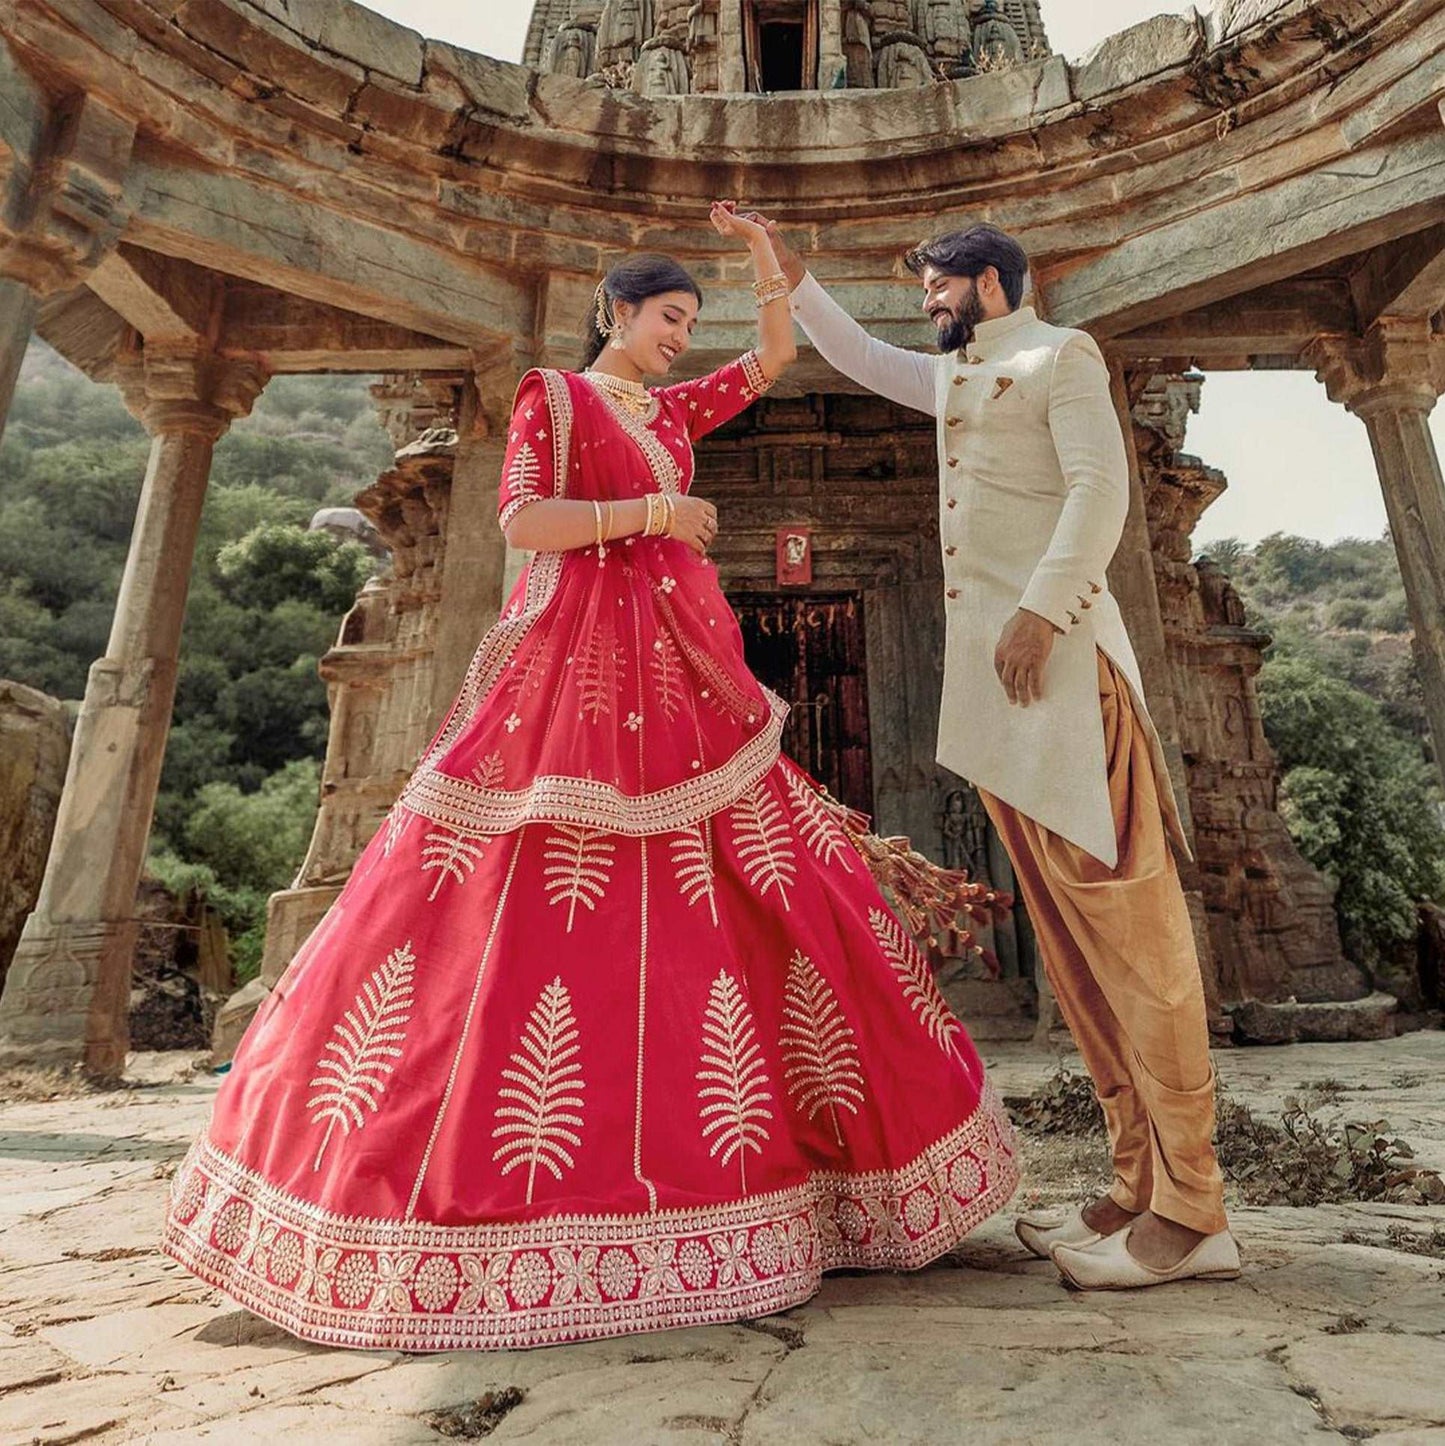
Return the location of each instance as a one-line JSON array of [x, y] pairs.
[[698, 47]]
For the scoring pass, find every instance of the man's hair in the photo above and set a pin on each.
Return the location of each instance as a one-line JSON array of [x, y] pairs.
[[970, 253]]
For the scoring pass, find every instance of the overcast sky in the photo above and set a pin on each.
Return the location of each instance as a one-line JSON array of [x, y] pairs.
[[1295, 462]]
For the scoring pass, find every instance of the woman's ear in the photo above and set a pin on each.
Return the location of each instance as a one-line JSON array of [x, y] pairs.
[[624, 311]]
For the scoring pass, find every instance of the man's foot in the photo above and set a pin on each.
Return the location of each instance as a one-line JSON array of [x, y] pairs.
[[1105, 1215], [1159, 1243], [1040, 1231], [1109, 1264]]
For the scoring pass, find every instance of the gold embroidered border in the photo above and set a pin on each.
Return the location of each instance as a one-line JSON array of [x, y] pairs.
[[663, 465], [757, 379], [470, 808], [543, 575], [414, 1286]]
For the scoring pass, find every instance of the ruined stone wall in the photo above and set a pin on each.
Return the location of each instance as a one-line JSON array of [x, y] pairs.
[[1270, 914]]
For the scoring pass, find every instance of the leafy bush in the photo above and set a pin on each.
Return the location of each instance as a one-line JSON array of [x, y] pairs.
[[1361, 801]]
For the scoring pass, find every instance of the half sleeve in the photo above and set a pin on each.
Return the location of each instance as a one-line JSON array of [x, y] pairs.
[[532, 470], [705, 404]]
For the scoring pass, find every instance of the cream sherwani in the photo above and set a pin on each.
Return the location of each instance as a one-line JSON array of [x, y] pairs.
[[1033, 492]]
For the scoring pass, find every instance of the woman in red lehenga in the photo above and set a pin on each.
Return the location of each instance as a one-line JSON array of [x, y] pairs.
[[610, 1029]]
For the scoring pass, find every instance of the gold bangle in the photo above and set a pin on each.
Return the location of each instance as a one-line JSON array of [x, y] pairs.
[[774, 289], [597, 512], [608, 536], [669, 503], [763, 283], [649, 528]]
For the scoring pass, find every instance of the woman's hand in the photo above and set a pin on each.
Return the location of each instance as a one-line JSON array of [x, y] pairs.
[[727, 222], [695, 524]]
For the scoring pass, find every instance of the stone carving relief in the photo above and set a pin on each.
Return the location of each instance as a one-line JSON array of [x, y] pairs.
[[943, 27], [858, 44], [996, 44], [572, 51], [661, 69], [626, 26], [903, 63]]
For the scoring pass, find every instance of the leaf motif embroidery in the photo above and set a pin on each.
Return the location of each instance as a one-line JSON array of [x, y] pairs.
[[919, 986], [396, 822], [692, 863], [528, 677], [734, 1083], [524, 474], [453, 855], [817, 826], [489, 772], [352, 1071], [818, 1048], [540, 1126], [579, 868], [597, 673], [760, 832], [667, 676]]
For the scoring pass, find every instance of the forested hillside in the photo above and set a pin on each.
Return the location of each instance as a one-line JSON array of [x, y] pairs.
[[1341, 698], [238, 794]]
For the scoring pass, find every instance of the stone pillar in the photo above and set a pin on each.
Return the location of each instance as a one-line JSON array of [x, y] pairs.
[[474, 555], [68, 988], [18, 305], [1132, 581], [1390, 380]]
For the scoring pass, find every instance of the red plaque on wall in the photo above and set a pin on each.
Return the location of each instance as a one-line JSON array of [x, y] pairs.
[[795, 556]]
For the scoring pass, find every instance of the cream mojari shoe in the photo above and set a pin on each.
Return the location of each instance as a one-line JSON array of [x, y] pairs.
[[1107, 1264], [1038, 1234]]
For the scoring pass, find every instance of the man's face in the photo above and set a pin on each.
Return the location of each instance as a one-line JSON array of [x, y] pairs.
[[953, 306]]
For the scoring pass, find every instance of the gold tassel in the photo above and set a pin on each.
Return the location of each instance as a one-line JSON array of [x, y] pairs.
[[928, 899]]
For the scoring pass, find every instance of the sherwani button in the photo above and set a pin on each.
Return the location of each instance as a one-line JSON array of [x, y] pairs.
[[959, 381], [950, 550], [953, 592], [953, 461], [1094, 587], [953, 501], [954, 421]]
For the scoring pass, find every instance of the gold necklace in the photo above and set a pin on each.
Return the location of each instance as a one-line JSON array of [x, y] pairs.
[[633, 395]]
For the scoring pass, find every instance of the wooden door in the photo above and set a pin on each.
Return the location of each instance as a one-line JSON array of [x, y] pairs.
[[811, 652]]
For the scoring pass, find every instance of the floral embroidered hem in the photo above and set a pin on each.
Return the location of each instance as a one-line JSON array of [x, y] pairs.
[[413, 1286]]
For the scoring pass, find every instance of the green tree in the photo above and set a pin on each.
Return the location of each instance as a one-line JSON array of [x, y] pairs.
[[1361, 801], [277, 562]]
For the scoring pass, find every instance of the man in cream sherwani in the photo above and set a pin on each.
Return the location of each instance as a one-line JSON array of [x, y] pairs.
[[1043, 711]]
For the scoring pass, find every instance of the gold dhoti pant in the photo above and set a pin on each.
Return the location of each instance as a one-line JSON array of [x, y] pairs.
[[1118, 951]]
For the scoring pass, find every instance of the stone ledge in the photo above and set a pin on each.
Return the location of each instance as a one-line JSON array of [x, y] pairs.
[[1334, 1021]]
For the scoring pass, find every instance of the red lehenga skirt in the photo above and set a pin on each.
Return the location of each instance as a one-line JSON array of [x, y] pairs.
[[566, 1061]]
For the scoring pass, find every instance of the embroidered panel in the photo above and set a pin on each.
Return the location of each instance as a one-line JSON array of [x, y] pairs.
[[820, 1055], [365, 1043], [466, 806], [664, 466], [540, 1109], [410, 1285]]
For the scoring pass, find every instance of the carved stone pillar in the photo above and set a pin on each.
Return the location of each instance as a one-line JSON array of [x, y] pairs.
[[61, 209], [1132, 581], [18, 305], [475, 567], [68, 988], [1270, 915], [1391, 380]]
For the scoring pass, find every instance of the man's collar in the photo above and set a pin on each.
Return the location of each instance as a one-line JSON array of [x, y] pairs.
[[988, 334]]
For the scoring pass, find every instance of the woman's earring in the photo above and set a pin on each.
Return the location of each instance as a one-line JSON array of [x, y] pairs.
[[619, 341]]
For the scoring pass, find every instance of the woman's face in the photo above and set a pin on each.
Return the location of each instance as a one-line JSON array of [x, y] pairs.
[[658, 331]]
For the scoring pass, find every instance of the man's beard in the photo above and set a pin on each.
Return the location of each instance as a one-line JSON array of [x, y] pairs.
[[958, 331]]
